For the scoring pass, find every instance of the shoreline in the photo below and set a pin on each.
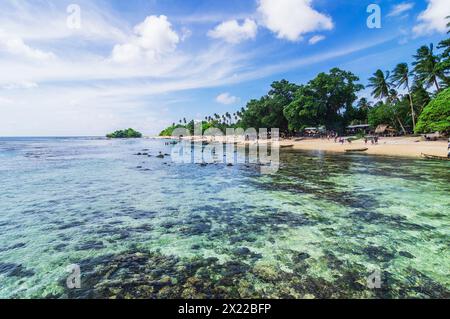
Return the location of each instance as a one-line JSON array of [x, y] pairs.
[[387, 146]]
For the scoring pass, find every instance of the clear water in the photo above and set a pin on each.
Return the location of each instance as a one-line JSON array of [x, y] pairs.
[[145, 227]]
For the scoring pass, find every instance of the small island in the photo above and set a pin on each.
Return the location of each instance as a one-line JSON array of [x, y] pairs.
[[128, 133]]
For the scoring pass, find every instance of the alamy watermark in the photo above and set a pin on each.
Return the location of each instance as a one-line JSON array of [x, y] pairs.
[[73, 281], [74, 18], [374, 280], [237, 146]]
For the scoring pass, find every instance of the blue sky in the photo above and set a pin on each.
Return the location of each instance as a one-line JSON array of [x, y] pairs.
[[104, 65]]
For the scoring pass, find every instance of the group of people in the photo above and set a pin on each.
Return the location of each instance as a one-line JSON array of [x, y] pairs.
[[337, 139], [373, 140]]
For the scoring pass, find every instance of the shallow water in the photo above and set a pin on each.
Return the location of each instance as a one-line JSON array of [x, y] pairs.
[[145, 227]]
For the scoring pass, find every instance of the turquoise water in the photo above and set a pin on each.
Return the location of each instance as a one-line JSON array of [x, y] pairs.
[[144, 227]]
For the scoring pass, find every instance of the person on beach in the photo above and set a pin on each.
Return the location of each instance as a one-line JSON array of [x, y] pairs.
[[448, 149], [365, 140]]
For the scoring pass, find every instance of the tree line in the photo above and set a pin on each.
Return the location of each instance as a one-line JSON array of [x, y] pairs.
[[410, 98]]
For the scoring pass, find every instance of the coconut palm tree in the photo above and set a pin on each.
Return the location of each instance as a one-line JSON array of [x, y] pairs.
[[380, 84], [401, 77], [382, 90], [427, 67]]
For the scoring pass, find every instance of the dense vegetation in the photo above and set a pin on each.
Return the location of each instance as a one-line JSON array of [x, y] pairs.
[[436, 115], [331, 100], [129, 133]]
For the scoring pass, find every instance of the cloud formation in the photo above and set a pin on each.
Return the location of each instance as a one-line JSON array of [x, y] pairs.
[[233, 32], [153, 38], [433, 19], [316, 39], [400, 8], [291, 19], [14, 45], [227, 99]]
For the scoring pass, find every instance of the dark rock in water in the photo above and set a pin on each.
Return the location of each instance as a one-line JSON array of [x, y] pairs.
[[15, 270], [138, 167], [60, 247], [242, 251], [160, 156], [143, 228], [91, 245], [406, 254], [229, 164], [378, 253], [12, 247], [300, 257], [195, 247], [70, 225]]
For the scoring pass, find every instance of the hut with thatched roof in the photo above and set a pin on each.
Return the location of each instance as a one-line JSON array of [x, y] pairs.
[[385, 129]]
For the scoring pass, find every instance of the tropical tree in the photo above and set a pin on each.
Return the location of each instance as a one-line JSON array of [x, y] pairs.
[[427, 67], [268, 111], [444, 65], [380, 84], [436, 115], [323, 101], [401, 78]]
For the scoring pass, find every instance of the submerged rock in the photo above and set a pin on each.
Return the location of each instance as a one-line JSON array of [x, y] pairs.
[[15, 270]]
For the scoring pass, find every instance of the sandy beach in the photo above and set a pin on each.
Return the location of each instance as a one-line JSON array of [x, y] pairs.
[[388, 146]]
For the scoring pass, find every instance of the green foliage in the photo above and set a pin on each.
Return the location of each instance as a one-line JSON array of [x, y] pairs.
[[436, 115], [323, 101], [129, 133], [444, 65], [428, 68], [381, 113], [169, 131], [268, 111], [380, 84]]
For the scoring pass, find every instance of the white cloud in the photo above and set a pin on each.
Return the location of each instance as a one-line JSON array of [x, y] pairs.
[[232, 32], [400, 8], [290, 19], [20, 85], [227, 99], [14, 45], [316, 39], [433, 18], [153, 38]]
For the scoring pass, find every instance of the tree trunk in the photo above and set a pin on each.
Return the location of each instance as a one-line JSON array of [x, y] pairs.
[[413, 114], [437, 84], [401, 124]]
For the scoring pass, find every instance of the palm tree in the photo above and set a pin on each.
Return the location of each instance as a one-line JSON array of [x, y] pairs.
[[427, 67], [382, 89], [400, 77], [380, 84]]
